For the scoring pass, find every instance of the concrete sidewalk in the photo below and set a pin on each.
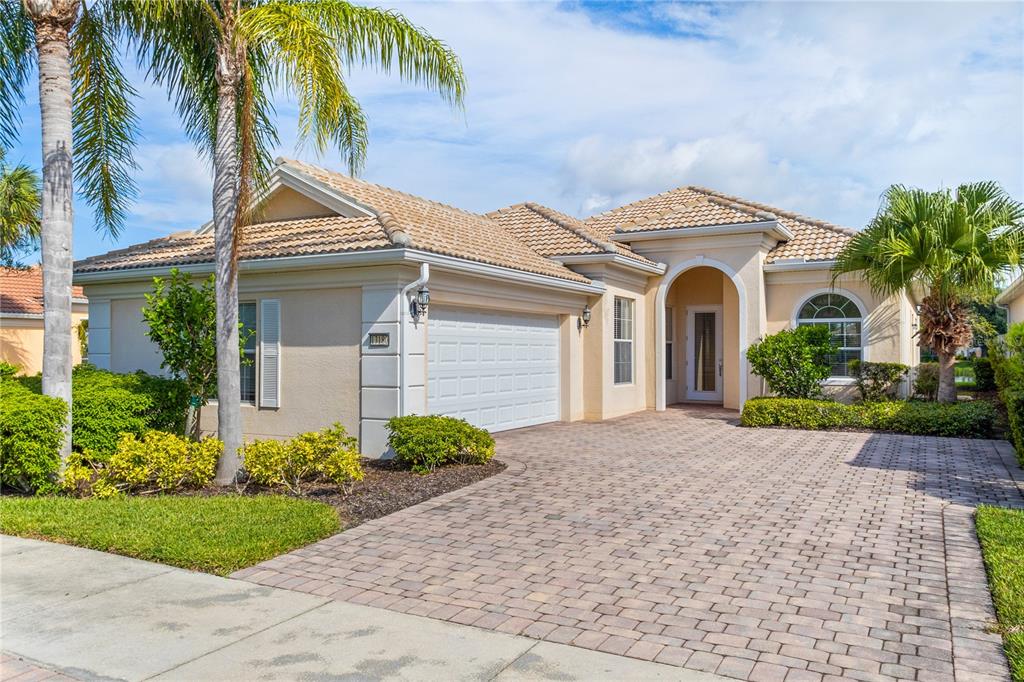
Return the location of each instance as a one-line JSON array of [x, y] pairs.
[[91, 615]]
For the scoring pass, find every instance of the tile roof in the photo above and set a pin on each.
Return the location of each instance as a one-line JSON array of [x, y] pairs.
[[21, 291], [440, 228], [552, 233], [262, 240], [701, 207]]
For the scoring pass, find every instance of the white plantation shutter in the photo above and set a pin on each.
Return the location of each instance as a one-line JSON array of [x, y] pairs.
[[270, 352]]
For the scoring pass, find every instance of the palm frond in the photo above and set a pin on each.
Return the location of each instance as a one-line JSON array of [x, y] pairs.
[[20, 189], [104, 122], [16, 59]]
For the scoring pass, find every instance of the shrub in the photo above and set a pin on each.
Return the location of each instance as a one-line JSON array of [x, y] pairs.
[[425, 442], [30, 437], [106, 405], [972, 419], [159, 462], [926, 384], [1009, 375], [330, 454], [984, 375], [876, 380], [1014, 339], [7, 370], [793, 362]]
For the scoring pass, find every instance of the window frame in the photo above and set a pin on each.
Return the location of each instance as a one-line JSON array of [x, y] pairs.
[[255, 303], [616, 341], [863, 320]]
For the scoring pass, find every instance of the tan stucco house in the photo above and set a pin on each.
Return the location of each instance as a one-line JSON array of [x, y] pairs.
[[1012, 298], [21, 318], [533, 316]]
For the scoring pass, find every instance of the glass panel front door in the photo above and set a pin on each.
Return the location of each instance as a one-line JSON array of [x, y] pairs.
[[704, 353], [704, 364]]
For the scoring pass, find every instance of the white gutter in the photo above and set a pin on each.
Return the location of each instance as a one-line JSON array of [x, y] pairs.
[[773, 226], [791, 265], [21, 316], [355, 258], [403, 305], [616, 258]]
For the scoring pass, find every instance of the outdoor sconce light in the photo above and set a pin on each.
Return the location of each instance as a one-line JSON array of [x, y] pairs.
[[419, 304], [584, 319]]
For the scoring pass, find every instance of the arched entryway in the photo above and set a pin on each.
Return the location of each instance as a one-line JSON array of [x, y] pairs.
[[701, 323]]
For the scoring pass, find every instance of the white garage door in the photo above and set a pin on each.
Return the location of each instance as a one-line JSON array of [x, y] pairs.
[[495, 370]]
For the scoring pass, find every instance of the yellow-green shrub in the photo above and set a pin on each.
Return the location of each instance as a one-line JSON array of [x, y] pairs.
[[159, 462], [330, 454], [425, 442]]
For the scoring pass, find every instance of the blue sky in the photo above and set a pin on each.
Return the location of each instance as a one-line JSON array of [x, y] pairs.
[[813, 107]]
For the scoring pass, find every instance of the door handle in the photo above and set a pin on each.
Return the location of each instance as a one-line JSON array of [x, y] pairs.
[[719, 368]]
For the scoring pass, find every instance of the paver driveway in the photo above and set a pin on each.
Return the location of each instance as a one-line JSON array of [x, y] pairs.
[[682, 538]]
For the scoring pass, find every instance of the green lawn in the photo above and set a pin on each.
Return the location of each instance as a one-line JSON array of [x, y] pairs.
[[1001, 532], [213, 534]]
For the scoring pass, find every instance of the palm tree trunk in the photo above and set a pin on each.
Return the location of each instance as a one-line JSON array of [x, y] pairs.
[[225, 206], [947, 378], [53, 21]]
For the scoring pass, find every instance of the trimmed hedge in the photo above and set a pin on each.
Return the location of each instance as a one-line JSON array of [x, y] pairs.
[[984, 375], [106, 405], [427, 442], [30, 437], [972, 419], [1009, 375]]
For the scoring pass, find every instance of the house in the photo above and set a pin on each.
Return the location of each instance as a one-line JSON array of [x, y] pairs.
[[1012, 298], [21, 318], [368, 302]]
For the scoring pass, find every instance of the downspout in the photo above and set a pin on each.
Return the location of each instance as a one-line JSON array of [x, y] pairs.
[[403, 306]]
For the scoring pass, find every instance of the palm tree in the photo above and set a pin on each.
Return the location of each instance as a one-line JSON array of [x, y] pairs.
[[83, 95], [222, 60], [19, 210], [952, 247]]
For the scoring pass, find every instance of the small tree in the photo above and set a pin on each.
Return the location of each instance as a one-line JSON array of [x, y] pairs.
[[182, 322], [794, 362]]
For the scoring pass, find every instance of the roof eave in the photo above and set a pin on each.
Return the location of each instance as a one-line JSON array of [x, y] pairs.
[[773, 227], [1010, 292], [616, 258], [790, 265]]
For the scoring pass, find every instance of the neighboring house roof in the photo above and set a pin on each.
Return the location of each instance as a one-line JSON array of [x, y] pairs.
[[21, 291], [692, 206], [1011, 292], [552, 233]]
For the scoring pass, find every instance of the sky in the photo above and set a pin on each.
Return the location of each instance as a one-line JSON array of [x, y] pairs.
[[810, 107]]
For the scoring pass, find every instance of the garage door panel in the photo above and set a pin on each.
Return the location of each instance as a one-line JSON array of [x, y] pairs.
[[496, 370]]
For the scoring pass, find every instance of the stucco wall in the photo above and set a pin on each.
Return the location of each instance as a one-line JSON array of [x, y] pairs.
[[1016, 310], [21, 340], [320, 337]]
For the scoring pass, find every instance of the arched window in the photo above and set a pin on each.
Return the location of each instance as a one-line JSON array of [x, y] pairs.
[[844, 319]]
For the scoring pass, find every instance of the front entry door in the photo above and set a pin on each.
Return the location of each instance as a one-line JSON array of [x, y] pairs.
[[704, 353]]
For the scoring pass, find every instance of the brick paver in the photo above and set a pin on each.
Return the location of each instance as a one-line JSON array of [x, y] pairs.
[[681, 538]]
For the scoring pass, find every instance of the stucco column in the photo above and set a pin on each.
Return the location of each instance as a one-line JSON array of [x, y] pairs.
[[99, 332], [382, 351]]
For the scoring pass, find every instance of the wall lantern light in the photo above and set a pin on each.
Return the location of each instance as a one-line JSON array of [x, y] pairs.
[[584, 319], [419, 304]]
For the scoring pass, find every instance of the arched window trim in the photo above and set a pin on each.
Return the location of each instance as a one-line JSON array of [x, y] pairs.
[[864, 346]]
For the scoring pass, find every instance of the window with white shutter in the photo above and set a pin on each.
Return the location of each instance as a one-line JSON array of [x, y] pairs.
[[270, 352]]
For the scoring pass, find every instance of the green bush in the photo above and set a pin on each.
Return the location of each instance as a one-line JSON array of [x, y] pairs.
[[106, 405], [1009, 375], [427, 442], [30, 437], [7, 370], [984, 375], [330, 454], [159, 462], [972, 419], [793, 362], [876, 380], [1014, 339], [926, 383]]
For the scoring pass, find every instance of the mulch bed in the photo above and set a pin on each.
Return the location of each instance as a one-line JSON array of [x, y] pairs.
[[386, 488]]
